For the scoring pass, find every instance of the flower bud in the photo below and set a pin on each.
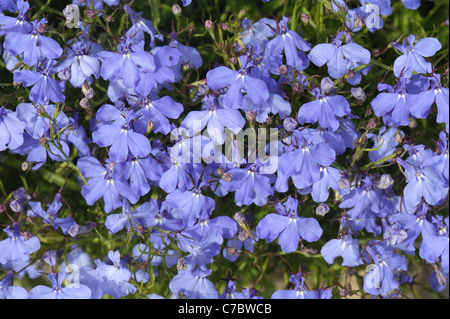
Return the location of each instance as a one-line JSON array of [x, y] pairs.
[[227, 177], [250, 115], [322, 209], [350, 74], [176, 10], [232, 251], [326, 85], [89, 12], [87, 90], [290, 124], [181, 264], [305, 18], [224, 26], [385, 181], [412, 123], [84, 103], [150, 126], [344, 182], [209, 25], [283, 70], [398, 137], [359, 22], [358, 93], [371, 125], [64, 74]]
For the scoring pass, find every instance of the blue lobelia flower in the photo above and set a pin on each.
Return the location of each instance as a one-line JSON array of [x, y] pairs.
[[299, 291], [141, 26], [346, 247], [194, 284], [33, 44], [45, 88], [95, 4], [371, 12], [380, 277], [364, 202], [126, 63], [288, 226], [11, 130], [395, 104], [166, 59], [57, 291], [17, 248], [139, 171], [18, 24], [329, 178], [338, 57], [76, 135], [385, 143], [114, 270], [325, 109], [51, 215], [8, 291], [291, 43], [192, 203], [435, 242], [413, 56], [423, 181], [258, 32], [156, 112], [82, 64], [103, 184], [238, 81], [120, 134], [302, 160], [216, 118], [249, 184], [411, 4], [424, 100], [190, 57]]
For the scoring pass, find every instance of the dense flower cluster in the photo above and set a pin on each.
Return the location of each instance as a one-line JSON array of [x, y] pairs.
[[158, 174]]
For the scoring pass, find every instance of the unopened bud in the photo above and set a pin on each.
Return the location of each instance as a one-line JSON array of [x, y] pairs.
[[358, 93], [150, 126], [64, 74], [84, 103], [209, 25], [44, 141], [398, 137], [359, 22], [322, 209], [326, 85], [233, 60], [181, 264], [350, 74], [305, 18], [371, 125], [109, 18], [283, 70], [250, 115], [227, 177], [224, 26], [232, 251], [87, 90], [176, 9], [290, 124], [89, 12], [241, 14], [26, 166], [242, 235], [42, 28], [27, 235], [385, 181], [220, 171], [412, 123], [344, 182]]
